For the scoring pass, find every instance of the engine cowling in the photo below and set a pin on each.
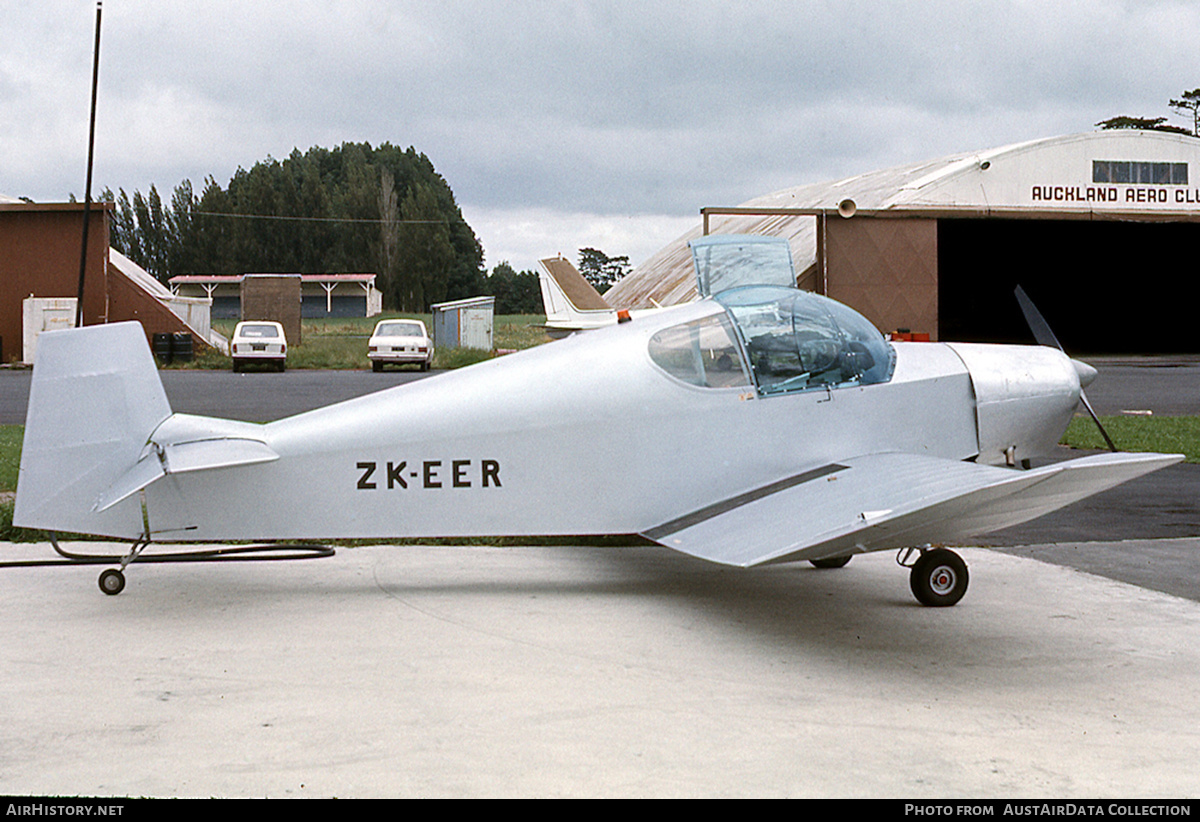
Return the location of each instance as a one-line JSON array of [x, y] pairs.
[[1025, 396]]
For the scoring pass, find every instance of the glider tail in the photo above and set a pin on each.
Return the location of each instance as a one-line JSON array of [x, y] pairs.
[[94, 402]]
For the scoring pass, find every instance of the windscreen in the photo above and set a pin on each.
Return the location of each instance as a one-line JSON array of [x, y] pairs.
[[725, 261], [798, 341], [702, 353]]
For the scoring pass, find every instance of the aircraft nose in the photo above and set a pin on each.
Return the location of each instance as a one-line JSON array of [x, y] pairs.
[[1086, 373]]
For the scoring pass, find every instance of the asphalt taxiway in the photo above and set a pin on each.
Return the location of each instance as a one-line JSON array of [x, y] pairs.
[[592, 672]]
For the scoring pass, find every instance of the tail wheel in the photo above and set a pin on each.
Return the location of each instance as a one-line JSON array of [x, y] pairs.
[[939, 578], [112, 582]]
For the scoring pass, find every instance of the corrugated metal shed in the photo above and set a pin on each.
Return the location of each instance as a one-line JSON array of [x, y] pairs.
[[464, 323]]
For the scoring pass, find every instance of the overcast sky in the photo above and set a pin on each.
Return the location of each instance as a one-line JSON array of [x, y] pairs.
[[562, 125]]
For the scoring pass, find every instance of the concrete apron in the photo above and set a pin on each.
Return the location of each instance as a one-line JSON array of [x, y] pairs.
[[546, 672]]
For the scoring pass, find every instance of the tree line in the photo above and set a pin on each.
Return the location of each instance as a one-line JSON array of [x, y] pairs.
[[1186, 106], [351, 209]]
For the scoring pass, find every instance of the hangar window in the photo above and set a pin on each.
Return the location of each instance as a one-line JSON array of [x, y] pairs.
[[799, 341], [1127, 171], [703, 353]]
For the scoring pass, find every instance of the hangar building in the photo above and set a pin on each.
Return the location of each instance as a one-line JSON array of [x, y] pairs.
[[1101, 229]]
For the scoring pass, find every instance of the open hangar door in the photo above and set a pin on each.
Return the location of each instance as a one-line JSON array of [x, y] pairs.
[[1105, 287]]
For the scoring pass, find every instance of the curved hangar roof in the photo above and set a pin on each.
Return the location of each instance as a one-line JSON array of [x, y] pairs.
[[1139, 175]]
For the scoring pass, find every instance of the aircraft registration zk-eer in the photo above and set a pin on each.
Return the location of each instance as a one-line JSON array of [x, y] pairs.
[[758, 424]]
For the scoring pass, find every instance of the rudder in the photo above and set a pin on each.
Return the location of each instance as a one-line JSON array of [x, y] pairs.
[[94, 401]]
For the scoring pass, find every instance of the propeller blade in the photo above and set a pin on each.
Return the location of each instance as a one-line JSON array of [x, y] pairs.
[[1044, 336], [1037, 324], [1083, 399]]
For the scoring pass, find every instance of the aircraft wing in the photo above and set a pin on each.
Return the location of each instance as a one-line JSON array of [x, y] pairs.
[[883, 501]]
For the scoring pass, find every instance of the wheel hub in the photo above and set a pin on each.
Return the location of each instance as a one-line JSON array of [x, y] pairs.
[[942, 580]]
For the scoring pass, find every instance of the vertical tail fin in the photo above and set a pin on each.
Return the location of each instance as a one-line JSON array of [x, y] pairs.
[[570, 301], [94, 401]]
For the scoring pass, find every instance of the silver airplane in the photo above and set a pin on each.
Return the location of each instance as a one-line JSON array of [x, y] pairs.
[[760, 424]]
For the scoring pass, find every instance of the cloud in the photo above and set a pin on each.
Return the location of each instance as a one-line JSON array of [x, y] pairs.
[[520, 237], [582, 114]]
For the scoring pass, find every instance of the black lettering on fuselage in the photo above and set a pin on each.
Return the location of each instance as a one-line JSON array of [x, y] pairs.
[[431, 478], [427, 474], [395, 476], [364, 483], [491, 471], [459, 469]]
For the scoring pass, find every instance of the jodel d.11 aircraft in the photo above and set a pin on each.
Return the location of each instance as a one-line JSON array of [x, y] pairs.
[[760, 424]]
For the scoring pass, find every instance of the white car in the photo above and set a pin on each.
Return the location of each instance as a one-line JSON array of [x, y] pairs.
[[258, 341], [400, 342]]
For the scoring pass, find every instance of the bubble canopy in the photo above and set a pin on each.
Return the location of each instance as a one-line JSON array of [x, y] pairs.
[[780, 340], [796, 340]]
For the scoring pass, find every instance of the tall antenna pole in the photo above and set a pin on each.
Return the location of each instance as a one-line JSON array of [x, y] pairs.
[[87, 196]]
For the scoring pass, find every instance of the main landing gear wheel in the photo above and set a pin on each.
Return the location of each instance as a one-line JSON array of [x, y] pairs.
[[830, 562], [938, 578], [112, 582]]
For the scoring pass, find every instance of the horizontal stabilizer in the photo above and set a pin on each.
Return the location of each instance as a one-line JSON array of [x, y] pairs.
[[886, 501], [182, 457], [145, 471]]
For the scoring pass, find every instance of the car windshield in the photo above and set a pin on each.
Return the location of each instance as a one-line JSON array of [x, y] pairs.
[[400, 330], [262, 331], [796, 340]]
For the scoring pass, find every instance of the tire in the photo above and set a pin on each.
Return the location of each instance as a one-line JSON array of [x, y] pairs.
[[939, 578], [112, 582], [831, 562], [376, 366]]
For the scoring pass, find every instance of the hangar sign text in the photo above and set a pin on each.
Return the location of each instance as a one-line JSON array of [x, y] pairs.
[[1115, 194]]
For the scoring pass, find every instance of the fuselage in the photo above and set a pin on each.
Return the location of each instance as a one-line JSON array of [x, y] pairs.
[[590, 435]]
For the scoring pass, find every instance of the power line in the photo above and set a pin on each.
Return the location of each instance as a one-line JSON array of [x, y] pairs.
[[326, 219]]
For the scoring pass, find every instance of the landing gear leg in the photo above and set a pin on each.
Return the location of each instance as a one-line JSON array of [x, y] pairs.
[[937, 576], [112, 580]]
